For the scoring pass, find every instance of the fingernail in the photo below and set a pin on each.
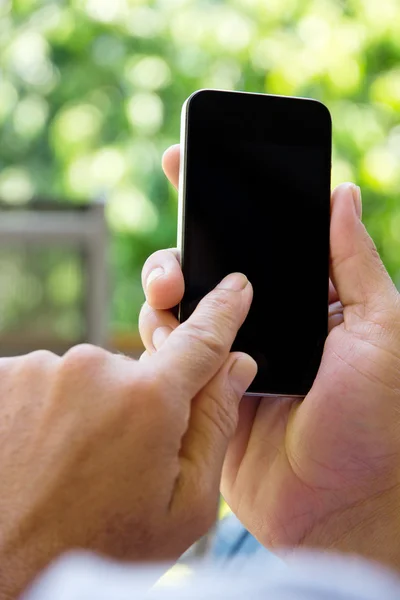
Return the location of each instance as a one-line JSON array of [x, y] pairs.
[[235, 281], [242, 373], [335, 308], [160, 335], [357, 200], [154, 274]]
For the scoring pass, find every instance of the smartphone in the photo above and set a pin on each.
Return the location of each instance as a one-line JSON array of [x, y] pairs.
[[254, 197]]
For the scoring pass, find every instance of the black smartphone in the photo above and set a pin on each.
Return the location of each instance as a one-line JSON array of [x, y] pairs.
[[254, 197]]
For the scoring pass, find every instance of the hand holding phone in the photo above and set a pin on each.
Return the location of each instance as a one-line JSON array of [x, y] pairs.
[[255, 198], [322, 472]]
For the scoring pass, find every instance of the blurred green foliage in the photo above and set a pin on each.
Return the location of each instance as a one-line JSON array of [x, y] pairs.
[[91, 92], [41, 294]]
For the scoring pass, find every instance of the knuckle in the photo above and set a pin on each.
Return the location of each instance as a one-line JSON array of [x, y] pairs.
[[34, 363], [224, 304], [83, 356], [38, 360], [41, 357], [220, 412], [209, 336], [224, 310]]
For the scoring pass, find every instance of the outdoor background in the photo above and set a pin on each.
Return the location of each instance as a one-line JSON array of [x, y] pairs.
[[90, 97]]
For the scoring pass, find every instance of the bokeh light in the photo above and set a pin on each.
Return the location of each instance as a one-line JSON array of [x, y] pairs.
[[91, 93]]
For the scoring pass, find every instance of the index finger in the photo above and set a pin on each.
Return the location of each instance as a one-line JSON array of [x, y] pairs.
[[170, 164], [196, 350]]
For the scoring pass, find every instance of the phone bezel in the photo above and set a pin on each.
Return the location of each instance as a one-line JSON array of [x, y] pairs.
[[182, 195]]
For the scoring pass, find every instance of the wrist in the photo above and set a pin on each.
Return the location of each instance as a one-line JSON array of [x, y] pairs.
[[24, 553], [370, 529]]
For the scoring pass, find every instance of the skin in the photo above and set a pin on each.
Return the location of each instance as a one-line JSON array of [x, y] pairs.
[[107, 454], [323, 472]]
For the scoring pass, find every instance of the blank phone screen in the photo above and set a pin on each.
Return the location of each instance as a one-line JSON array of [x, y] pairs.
[[256, 183]]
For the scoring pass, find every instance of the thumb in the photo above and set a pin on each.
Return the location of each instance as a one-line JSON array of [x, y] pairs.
[[197, 349], [362, 282], [213, 421]]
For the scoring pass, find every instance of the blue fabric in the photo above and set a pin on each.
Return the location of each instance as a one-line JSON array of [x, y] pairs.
[[304, 577], [238, 568], [234, 548]]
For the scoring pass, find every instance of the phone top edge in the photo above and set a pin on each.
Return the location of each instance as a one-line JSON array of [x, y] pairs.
[[263, 94]]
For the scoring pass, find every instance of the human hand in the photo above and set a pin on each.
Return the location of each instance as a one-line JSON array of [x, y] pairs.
[[104, 453], [324, 472]]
